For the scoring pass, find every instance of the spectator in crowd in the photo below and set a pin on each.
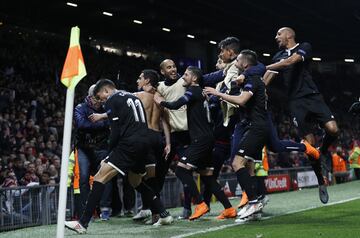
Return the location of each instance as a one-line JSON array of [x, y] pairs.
[[19, 169], [10, 179], [339, 166], [45, 178], [91, 142], [30, 175], [354, 159]]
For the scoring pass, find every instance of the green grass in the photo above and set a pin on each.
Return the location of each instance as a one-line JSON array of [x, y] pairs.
[[324, 221], [338, 221]]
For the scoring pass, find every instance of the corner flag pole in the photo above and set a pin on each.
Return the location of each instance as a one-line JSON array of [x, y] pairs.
[[65, 162], [73, 71]]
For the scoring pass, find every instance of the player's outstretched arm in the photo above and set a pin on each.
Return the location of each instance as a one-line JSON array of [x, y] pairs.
[[293, 59], [166, 128], [95, 117], [239, 100], [269, 76]]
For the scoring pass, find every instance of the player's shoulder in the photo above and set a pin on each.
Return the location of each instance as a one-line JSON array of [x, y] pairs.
[[120, 96], [232, 68], [253, 81], [161, 84], [281, 54], [161, 87], [194, 90], [306, 45], [79, 106], [124, 94], [144, 96]]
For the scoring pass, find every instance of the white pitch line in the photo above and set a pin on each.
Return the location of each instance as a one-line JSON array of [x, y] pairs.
[[265, 218]]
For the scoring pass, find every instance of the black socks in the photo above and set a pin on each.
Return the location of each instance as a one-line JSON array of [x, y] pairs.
[[316, 166], [188, 182], [215, 188], [327, 141], [246, 183], [93, 199], [260, 186], [148, 195]]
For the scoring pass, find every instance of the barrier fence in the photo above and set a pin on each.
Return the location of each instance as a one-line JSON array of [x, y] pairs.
[[37, 205]]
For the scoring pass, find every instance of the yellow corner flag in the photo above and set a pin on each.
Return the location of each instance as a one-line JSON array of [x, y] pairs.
[[74, 67]]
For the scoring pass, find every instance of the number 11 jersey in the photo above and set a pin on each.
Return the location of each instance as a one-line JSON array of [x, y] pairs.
[[126, 116]]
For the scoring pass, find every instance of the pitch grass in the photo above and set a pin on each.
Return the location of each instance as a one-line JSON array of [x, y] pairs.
[[338, 221], [330, 223]]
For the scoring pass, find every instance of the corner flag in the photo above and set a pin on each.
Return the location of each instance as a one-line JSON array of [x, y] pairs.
[[73, 71], [74, 68]]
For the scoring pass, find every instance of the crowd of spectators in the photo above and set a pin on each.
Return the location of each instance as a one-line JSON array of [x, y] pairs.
[[32, 104], [32, 101]]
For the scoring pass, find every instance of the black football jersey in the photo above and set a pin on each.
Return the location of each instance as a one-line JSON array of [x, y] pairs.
[[127, 117]]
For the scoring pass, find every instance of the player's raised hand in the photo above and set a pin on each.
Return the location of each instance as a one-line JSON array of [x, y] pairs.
[[158, 98], [212, 91], [95, 117], [167, 150]]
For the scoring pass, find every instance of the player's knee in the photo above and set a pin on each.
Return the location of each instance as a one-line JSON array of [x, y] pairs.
[[310, 138], [134, 181], [185, 166], [104, 176], [238, 163], [98, 177], [150, 172], [206, 172], [235, 165], [332, 128], [251, 167]]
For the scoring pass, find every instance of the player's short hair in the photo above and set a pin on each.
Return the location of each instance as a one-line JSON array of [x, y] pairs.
[[250, 56], [103, 83], [153, 77], [91, 90], [196, 72], [162, 64], [290, 31], [230, 43]]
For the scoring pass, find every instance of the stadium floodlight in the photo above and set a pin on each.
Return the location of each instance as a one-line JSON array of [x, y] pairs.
[[349, 60], [165, 29], [138, 22], [266, 54], [190, 36], [71, 4], [213, 42], [316, 59], [108, 14]]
